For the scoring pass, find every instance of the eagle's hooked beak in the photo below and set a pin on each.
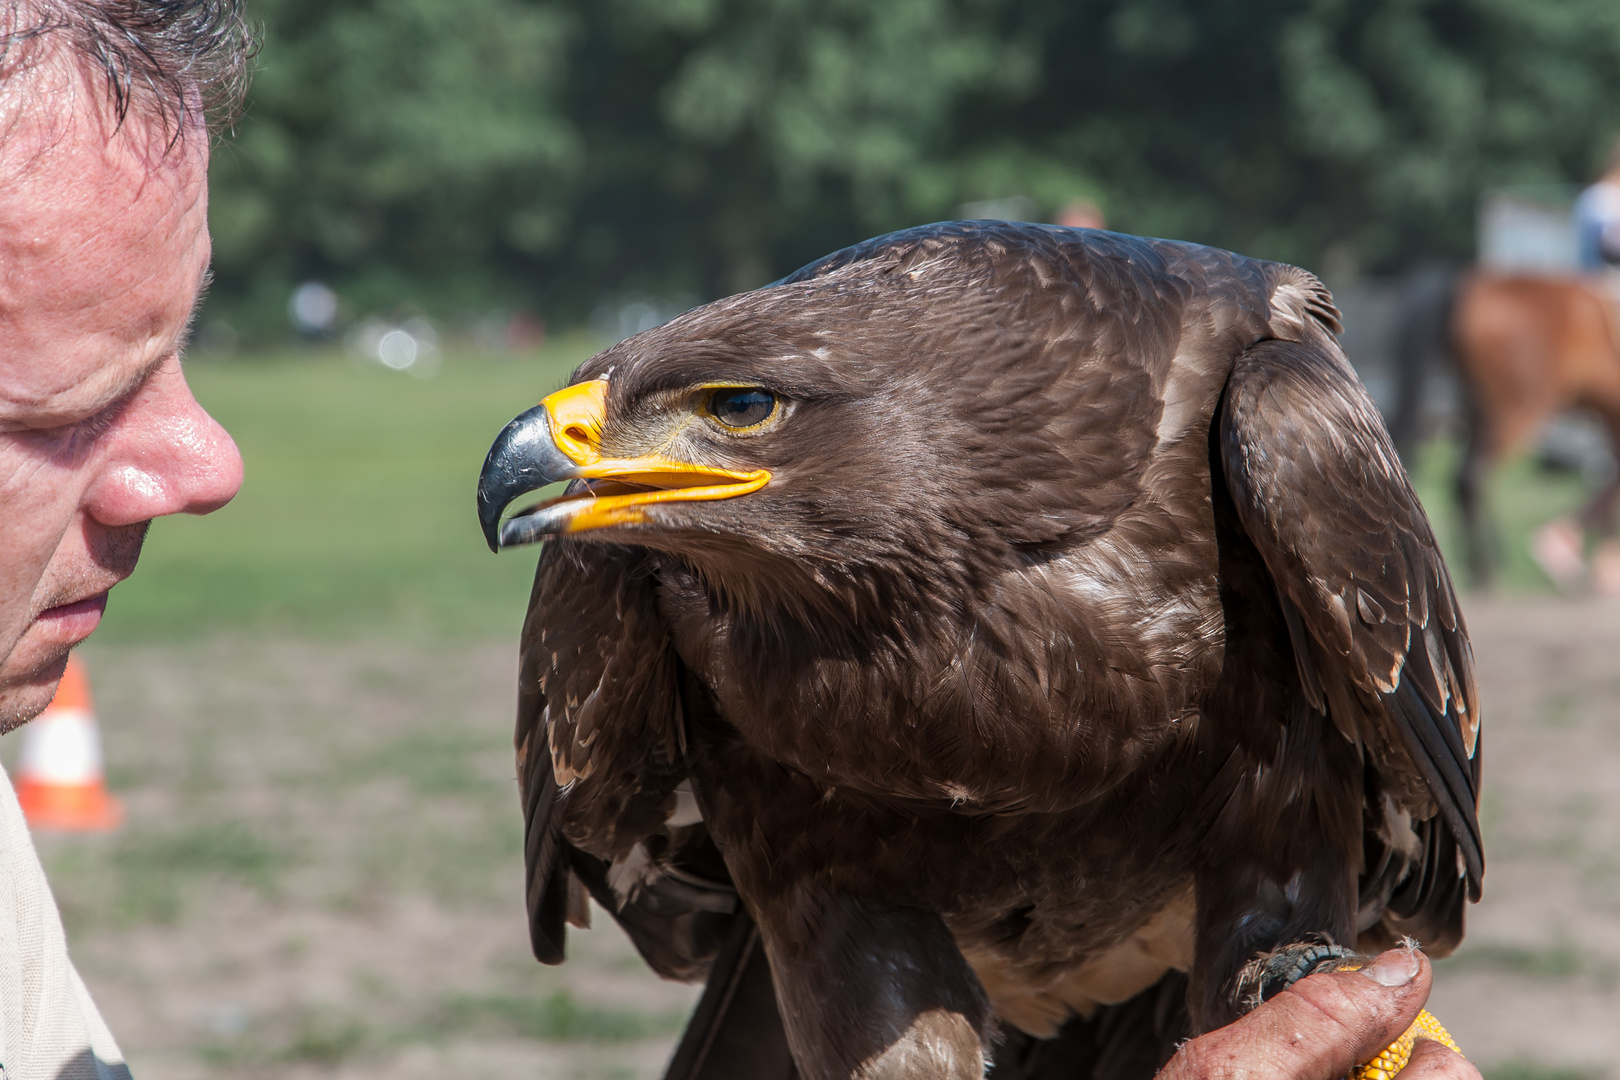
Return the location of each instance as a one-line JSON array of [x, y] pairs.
[[560, 439]]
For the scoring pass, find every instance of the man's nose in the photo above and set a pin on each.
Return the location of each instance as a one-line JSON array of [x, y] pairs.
[[165, 455]]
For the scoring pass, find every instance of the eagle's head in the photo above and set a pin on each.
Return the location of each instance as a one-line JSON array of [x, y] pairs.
[[887, 426]]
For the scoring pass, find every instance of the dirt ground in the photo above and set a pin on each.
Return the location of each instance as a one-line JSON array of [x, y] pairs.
[[320, 874]]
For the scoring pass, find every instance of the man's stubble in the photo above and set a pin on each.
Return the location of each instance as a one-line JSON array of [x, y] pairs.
[[115, 550]]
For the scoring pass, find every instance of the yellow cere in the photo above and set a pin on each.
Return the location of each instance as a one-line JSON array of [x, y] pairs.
[[576, 413]]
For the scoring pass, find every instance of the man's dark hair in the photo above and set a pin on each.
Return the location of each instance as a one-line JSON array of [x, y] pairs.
[[175, 57]]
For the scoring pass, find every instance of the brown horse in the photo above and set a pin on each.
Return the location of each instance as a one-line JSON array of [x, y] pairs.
[[1525, 348]]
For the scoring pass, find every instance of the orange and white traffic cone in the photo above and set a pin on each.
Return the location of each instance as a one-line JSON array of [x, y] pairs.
[[60, 780]]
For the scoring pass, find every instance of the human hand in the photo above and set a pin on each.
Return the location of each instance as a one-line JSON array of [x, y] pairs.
[[1323, 1026]]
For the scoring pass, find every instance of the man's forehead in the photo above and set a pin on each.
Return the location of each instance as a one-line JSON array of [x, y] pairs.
[[103, 245], [74, 172]]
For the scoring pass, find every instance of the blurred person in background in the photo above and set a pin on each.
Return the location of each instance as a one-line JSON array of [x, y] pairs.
[[104, 252], [1081, 214], [1559, 546], [1597, 220]]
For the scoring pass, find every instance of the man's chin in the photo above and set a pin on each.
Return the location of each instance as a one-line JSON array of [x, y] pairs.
[[29, 674], [30, 671], [24, 695]]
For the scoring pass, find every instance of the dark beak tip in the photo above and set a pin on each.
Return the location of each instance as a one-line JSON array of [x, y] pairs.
[[522, 459], [489, 518]]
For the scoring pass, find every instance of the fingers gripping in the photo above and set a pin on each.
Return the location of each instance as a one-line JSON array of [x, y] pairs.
[[1322, 1027], [1432, 1061]]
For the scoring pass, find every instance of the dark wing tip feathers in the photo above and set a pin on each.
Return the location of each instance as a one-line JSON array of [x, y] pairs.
[[546, 889], [1448, 773]]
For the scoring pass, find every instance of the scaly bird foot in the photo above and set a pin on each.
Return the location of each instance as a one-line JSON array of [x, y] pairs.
[[1264, 977]]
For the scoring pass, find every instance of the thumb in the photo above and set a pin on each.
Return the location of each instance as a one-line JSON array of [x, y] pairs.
[[1318, 1029]]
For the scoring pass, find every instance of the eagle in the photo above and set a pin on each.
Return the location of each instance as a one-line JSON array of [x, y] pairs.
[[992, 645]]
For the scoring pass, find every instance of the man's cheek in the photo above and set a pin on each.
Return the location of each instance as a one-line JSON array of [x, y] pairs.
[[19, 574], [36, 509]]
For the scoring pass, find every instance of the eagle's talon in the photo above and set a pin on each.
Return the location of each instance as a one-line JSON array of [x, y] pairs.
[[1266, 976]]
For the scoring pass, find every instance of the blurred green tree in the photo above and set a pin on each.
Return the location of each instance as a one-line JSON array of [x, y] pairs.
[[459, 154], [409, 151], [1299, 128]]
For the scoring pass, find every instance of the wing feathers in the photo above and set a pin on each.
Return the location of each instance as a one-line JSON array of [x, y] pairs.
[[1304, 656], [1438, 761], [596, 752], [1367, 600]]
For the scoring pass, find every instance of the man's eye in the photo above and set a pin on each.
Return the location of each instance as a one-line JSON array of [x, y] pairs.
[[742, 407]]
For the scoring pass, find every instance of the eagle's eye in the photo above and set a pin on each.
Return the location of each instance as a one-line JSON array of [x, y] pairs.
[[742, 406]]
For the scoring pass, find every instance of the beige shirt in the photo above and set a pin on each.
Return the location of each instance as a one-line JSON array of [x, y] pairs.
[[49, 1027]]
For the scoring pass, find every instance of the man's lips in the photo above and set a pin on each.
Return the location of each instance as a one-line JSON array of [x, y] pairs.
[[74, 622]]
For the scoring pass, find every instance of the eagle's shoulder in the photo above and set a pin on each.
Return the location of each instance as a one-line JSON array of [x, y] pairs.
[[1300, 303]]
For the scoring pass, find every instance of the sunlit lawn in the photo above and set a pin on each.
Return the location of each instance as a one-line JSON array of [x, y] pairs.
[[357, 514]]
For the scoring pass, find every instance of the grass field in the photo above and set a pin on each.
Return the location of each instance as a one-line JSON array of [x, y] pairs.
[[321, 873], [357, 513]]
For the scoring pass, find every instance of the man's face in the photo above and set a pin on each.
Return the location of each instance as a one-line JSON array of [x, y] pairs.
[[103, 248]]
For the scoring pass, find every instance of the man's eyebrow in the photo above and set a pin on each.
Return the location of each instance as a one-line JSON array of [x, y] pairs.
[[131, 386], [203, 286]]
